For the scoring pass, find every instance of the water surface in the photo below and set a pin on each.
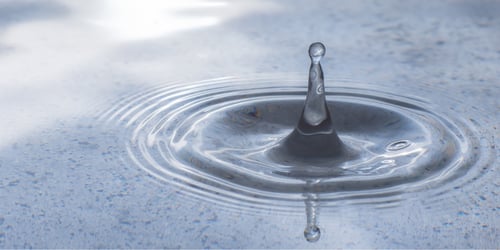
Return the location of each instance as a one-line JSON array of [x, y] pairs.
[[67, 178]]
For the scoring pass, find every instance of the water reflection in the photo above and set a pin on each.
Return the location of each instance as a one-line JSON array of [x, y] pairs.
[[131, 20], [312, 232], [139, 20]]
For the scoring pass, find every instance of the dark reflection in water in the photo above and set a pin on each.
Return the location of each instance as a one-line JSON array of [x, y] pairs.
[[479, 9]]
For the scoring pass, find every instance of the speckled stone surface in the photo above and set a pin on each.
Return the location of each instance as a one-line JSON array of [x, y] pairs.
[[66, 182]]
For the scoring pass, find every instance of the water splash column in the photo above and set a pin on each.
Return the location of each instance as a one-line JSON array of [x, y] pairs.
[[314, 136]]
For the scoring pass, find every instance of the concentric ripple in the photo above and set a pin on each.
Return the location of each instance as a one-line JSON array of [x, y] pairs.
[[216, 139]]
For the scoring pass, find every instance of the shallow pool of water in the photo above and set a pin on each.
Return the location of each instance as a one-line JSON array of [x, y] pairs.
[[127, 124]]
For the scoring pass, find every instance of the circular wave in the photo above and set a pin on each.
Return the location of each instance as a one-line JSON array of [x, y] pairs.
[[215, 139]]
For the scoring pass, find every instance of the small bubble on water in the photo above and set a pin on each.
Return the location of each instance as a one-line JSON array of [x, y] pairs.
[[398, 145], [312, 233], [389, 161]]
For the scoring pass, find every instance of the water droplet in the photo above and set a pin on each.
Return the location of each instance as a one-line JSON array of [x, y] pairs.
[[314, 136], [312, 233], [317, 51]]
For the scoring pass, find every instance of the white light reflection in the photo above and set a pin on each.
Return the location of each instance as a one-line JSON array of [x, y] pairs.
[[137, 20]]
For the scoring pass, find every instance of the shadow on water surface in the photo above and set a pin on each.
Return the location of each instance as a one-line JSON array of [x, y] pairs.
[[13, 12]]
